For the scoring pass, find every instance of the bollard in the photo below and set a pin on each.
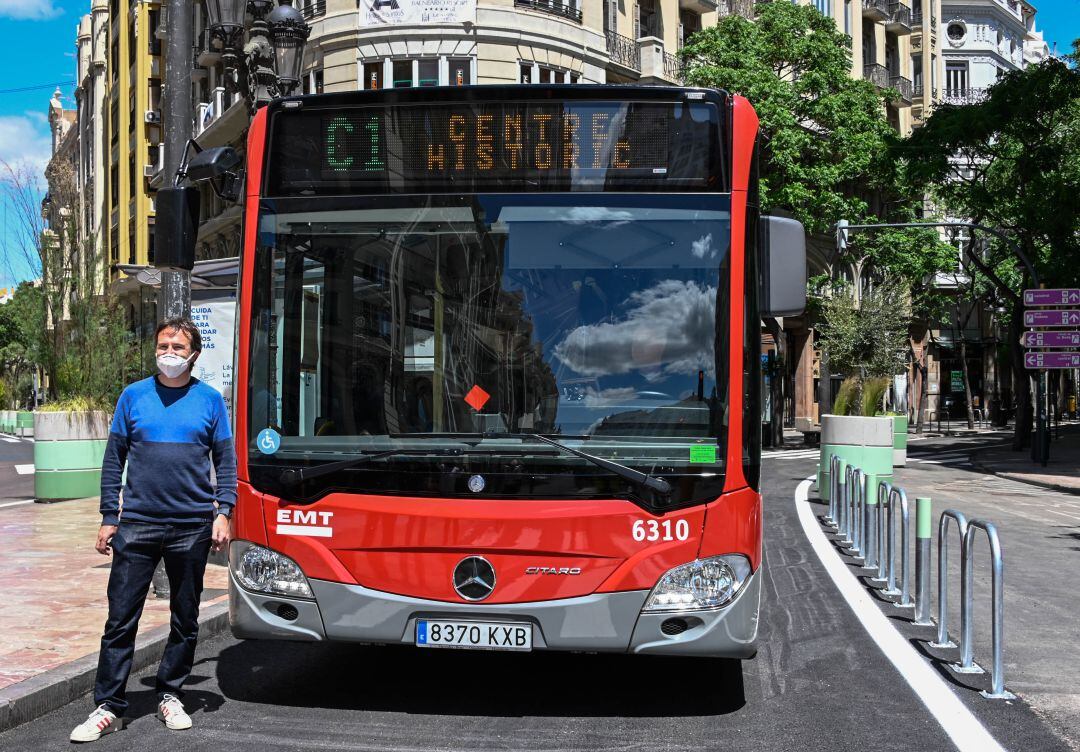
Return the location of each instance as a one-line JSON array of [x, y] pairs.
[[923, 526], [997, 606], [870, 513], [835, 471], [904, 592], [943, 640], [884, 490]]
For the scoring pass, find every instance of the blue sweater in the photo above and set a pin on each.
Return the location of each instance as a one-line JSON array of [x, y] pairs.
[[167, 436]]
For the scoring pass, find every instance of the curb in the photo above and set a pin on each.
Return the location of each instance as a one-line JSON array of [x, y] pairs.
[[45, 692], [1037, 483]]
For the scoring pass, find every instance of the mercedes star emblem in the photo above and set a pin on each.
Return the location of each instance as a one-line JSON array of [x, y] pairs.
[[474, 578], [476, 483]]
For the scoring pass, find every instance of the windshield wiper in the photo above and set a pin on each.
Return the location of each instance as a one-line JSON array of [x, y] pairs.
[[294, 476], [644, 480]]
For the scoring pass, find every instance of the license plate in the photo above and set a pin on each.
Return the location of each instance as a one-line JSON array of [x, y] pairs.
[[473, 634]]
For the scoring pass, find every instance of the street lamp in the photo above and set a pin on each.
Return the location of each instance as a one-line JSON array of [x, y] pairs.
[[274, 52]]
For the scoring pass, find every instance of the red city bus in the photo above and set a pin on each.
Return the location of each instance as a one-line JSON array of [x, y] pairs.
[[498, 369]]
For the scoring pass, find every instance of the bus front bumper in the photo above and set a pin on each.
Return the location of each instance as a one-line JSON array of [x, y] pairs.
[[602, 622]]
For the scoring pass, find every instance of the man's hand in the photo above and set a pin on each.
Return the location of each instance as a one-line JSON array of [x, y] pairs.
[[104, 538], [220, 534]]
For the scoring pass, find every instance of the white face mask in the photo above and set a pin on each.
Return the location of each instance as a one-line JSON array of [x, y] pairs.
[[172, 365]]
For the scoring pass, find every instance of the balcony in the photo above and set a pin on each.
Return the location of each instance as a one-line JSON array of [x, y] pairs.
[[963, 96], [902, 85], [899, 20], [920, 93], [206, 54], [555, 8], [698, 6], [875, 10], [623, 51], [312, 9], [207, 112], [917, 20], [673, 68], [876, 74]]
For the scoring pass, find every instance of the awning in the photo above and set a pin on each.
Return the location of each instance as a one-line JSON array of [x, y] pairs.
[[209, 274]]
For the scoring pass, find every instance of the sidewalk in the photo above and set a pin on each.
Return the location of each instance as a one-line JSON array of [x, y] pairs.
[[1062, 472], [54, 605]]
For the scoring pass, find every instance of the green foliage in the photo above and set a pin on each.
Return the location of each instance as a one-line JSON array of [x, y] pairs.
[[868, 337], [846, 396], [823, 130], [1012, 162], [77, 405], [873, 394]]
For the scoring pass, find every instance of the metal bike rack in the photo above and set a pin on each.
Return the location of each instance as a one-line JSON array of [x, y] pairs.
[[843, 529], [870, 522], [958, 517], [967, 662], [834, 490], [856, 513], [898, 494], [884, 490]]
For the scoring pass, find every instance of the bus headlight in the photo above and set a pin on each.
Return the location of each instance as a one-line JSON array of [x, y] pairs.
[[266, 571], [702, 584]]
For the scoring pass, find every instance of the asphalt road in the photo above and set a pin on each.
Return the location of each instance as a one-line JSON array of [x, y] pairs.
[[16, 455], [819, 682]]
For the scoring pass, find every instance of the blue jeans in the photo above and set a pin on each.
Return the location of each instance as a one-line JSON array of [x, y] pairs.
[[137, 548]]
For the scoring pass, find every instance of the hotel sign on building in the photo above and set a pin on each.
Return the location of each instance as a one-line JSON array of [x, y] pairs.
[[386, 12]]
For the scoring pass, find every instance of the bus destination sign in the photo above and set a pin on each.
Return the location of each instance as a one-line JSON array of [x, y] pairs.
[[494, 145]]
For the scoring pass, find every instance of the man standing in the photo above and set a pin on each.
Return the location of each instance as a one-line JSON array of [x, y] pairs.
[[167, 428]]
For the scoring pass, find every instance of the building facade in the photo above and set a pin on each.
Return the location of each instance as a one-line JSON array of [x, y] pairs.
[[90, 97], [133, 126]]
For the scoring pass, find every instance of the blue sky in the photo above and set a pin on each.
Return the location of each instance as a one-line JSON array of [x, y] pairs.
[[38, 51]]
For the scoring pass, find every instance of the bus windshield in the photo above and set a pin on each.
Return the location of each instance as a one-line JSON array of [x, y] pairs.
[[425, 324]]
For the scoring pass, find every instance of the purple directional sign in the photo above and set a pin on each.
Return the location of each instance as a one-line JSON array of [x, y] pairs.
[[1067, 296], [1051, 318], [1052, 360], [1051, 339]]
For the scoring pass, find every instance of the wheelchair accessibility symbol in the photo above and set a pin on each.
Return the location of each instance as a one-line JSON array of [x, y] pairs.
[[268, 441]]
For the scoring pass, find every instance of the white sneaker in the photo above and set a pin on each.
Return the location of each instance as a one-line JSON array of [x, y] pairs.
[[102, 721], [171, 711]]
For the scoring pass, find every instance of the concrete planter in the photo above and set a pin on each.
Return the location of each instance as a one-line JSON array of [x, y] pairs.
[[7, 421], [68, 449], [900, 429], [24, 424], [866, 443]]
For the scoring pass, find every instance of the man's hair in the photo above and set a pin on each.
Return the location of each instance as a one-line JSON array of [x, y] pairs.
[[181, 324]]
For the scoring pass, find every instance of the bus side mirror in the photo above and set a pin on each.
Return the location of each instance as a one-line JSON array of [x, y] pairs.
[[212, 163], [176, 226], [782, 246]]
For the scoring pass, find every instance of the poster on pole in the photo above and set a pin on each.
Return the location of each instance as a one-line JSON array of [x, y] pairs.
[[384, 12], [214, 367]]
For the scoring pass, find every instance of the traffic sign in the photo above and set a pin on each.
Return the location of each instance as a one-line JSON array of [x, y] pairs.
[[1066, 296], [1051, 318], [1050, 339], [1052, 360]]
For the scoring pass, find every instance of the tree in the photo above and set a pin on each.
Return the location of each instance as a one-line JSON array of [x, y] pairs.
[[825, 141], [1011, 162], [867, 337]]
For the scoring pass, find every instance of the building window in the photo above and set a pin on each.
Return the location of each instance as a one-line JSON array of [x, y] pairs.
[[534, 73], [313, 82], [460, 71], [824, 7], [956, 31], [956, 77], [847, 17], [372, 76], [417, 72], [916, 72], [402, 74]]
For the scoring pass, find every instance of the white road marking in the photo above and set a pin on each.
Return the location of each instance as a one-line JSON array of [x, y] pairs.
[[954, 717], [24, 469], [10, 440], [16, 503]]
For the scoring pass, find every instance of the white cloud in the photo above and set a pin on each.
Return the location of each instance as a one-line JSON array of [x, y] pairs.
[[25, 142], [703, 246], [669, 329], [29, 10]]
